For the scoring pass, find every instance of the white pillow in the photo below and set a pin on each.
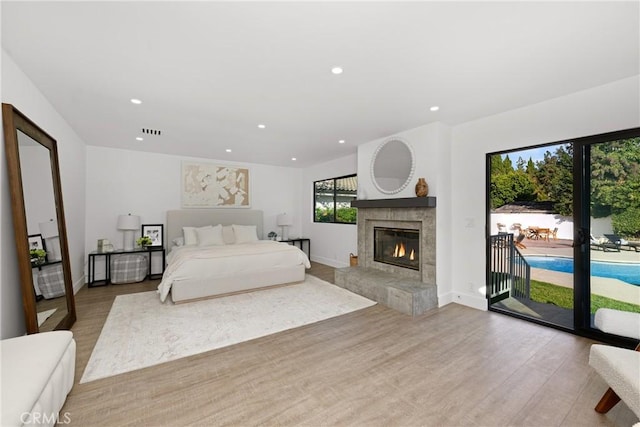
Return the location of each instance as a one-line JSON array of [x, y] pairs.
[[227, 235], [178, 241], [210, 236], [190, 236], [245, 233]]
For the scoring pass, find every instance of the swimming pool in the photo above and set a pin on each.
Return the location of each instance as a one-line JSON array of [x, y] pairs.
[[627, 272]]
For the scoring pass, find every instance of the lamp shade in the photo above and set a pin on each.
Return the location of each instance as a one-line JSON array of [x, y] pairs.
[[284, 220], [128, 222], [48, 229]]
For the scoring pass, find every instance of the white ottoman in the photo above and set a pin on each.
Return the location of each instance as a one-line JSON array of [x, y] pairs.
[[37, 375]]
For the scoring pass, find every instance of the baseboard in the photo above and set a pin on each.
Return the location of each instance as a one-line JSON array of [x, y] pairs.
[[78, 284], [330, 262], [472, 301]]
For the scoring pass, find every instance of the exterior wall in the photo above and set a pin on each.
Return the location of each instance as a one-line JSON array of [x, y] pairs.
[[599, 226], [550, 221]]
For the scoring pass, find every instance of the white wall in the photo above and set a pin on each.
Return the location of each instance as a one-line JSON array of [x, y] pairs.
[[148, 184], [610, 107], [18, 90], [564, 224], [331, 244]]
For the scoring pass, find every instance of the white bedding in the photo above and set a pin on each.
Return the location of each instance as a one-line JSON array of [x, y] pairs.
[[193, 262]]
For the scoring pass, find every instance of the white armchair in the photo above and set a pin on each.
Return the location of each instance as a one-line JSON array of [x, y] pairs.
[[619, 367]]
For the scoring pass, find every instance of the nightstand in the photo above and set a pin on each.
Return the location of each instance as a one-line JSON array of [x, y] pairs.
[[150, 250], [299, 242]]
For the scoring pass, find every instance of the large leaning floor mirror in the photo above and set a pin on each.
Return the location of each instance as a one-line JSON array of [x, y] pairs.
[[39, 225]]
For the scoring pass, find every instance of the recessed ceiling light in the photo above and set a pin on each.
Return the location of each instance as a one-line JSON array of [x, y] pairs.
[[337, 70], [261, 126], [341, 141], [434, 108], [139, 138], [294, 159], [135, 101], [228, 150]]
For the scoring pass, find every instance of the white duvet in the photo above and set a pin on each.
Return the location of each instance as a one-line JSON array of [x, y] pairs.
[[194, 262]]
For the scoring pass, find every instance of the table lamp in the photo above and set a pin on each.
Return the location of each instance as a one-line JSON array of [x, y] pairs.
[[283, 220], [129, 223], [49, 232]]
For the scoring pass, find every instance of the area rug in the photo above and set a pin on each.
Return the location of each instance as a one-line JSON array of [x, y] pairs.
[[44, 315], [140, 331]]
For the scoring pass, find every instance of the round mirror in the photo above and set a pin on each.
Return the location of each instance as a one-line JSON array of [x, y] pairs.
[[392, 166]]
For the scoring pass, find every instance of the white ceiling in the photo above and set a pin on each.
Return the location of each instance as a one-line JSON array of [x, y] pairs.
[[209, 72]]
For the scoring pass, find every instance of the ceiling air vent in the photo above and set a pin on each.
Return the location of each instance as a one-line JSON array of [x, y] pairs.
[[151, 131]]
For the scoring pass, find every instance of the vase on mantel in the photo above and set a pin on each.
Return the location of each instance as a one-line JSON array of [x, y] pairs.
[[422, 189]]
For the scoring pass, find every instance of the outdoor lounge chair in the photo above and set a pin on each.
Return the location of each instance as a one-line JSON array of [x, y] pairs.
[[619, 242], [605, 246]]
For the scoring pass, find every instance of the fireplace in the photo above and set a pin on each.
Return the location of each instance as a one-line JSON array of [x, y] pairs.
[[389, 231], [397, 246]]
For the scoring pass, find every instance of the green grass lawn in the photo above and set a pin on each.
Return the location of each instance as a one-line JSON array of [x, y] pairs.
[[563, 297]]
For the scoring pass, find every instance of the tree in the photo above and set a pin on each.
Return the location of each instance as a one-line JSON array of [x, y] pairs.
[[514, 186], [615, 177], [531, 167], [627, 222], [555, 179]]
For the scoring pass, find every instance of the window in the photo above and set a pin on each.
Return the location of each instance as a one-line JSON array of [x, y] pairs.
[[332, 200]]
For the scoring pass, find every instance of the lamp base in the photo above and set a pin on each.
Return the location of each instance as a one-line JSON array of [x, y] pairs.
[[128, 240], [285, 232]]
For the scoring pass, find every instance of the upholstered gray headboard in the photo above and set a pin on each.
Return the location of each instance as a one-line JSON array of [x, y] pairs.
[[201, 217]]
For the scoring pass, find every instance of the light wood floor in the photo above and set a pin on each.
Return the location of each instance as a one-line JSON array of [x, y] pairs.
[[454, 366]]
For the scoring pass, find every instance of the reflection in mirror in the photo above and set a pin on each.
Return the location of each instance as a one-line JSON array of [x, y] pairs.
[[392, 166], [40, 211], [39, 224]]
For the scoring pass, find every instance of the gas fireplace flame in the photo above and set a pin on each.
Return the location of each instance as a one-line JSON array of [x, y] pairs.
[[399, 251]]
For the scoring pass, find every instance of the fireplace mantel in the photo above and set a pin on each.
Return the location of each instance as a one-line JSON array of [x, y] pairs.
[[405, 202]]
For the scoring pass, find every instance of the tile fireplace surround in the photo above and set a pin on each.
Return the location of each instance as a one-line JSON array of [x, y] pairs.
[[408, 291]]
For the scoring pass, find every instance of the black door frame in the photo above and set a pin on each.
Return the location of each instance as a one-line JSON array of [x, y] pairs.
[[581, 228]]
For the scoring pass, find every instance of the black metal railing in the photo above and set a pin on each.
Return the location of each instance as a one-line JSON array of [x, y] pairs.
[[510, 274]]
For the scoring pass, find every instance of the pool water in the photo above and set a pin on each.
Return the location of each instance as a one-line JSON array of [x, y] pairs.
[[627, 272]]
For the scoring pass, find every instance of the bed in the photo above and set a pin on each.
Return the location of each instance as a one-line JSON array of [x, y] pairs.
[[239, 263]]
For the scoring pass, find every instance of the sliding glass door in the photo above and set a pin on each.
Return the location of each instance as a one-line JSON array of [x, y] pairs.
[[564, 230], [531, 233], [612, 184]]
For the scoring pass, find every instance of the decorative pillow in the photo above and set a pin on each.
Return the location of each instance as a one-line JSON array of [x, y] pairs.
[[190, 236], [178, 241], [210, 236], [245, 233], [227, 235]]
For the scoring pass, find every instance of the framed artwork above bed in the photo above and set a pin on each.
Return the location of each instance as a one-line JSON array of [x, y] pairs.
[[206, 185]]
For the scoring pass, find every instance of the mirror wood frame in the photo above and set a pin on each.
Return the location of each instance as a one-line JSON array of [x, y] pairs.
[[14, 121]]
